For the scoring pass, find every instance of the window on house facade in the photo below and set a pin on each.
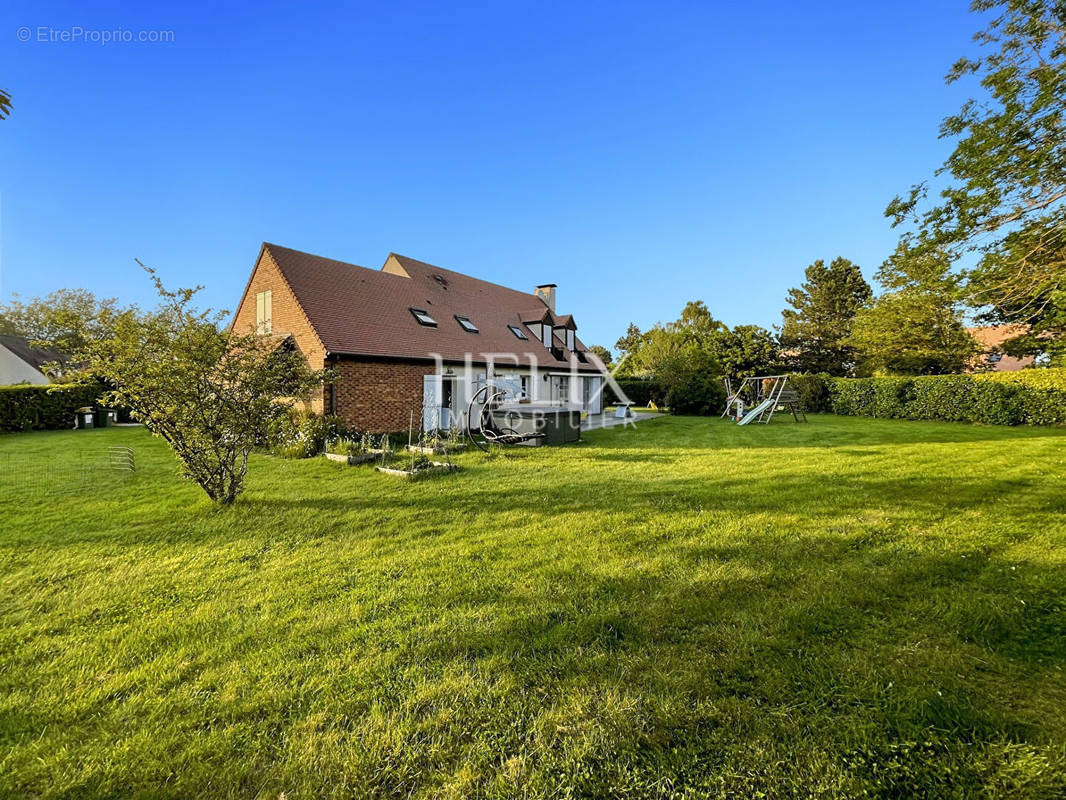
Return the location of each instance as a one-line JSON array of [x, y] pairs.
[[466, 324], [523, 384], [423, 317], [560, 385], [518, 332], [264, 312]]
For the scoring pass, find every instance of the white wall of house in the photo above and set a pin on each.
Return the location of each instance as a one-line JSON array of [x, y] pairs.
[[446, 397], [14, 370]]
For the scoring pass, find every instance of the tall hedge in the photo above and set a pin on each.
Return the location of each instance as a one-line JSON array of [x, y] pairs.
[[52, 407], [1027, 397]]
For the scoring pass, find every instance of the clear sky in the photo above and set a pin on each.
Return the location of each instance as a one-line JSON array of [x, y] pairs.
[[639, 155]]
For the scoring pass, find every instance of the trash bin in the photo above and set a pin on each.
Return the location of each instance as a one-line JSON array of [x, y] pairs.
[[83, 417], [104, 418]]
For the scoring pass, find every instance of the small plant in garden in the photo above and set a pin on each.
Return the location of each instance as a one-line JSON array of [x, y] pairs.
[[455, 438], [345, 447]]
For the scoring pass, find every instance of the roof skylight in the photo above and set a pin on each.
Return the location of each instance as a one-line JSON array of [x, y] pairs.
[[466, 324], [423, 317], [518, 332]]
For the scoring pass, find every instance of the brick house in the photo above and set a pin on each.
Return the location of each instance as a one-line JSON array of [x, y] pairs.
[[992, 357], [415, 338]]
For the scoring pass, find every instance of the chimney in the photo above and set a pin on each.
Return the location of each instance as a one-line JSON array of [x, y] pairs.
[[546, 292]]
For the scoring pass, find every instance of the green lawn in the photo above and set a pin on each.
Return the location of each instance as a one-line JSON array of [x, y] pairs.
[[846, 608]]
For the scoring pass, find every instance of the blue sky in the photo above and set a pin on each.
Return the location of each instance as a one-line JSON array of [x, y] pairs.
[[637, 154]]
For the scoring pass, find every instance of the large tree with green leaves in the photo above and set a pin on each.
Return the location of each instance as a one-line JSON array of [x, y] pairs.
[[911, 332], [744, 351], [212, 394], [626, 346], [602, 353], [66, 319], [815, 330], [738, 352], [915, 327], [1006, 177]]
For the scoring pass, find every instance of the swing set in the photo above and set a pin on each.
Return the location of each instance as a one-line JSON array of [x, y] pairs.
[[756, 399]]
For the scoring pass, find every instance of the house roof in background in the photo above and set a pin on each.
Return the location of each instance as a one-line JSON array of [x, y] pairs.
[[360, 311], [36, 357]]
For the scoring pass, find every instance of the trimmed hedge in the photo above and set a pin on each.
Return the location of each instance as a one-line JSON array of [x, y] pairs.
[[50, 407], [1028, 397], [640, 391]]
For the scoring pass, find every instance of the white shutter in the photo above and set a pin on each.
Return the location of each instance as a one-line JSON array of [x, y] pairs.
[[595, 395], [431, 403]]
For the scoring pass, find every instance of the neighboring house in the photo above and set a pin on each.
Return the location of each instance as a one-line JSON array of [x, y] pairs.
[[992, 357], [412, 338], [20, 363]]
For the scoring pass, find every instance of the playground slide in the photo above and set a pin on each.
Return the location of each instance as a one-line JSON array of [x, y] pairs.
[[765, 404]]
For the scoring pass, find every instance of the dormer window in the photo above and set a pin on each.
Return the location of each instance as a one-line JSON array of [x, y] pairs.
[[570, 339], [466, 324], [518, 332], [546, 335], [423, 317]]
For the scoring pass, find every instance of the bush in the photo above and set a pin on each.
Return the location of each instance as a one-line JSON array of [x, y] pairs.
[[1029, 397], [305, 434], [700, 394], [52, 407], [694, 383], [639, 391]]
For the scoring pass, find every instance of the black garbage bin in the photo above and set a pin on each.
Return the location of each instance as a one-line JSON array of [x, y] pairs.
[[83, 417]]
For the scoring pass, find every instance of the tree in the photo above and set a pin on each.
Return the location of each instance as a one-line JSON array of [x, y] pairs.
[[911, 332], [692, 382], [602, 353], [5, 104], [658, 345], [1007, 173], [737, 352], [1018, 283], [914, 328], [814, 331], [209, 392], [66, 320], [745, 351], [626, 346]]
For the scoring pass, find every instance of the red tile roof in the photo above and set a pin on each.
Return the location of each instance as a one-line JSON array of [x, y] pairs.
[[360, 311]]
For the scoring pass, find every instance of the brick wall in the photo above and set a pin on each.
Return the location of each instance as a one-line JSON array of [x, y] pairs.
[[287, 316], [379, 396]]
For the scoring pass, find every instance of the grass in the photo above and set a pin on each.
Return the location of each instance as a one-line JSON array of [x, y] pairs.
[[688, 609]]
